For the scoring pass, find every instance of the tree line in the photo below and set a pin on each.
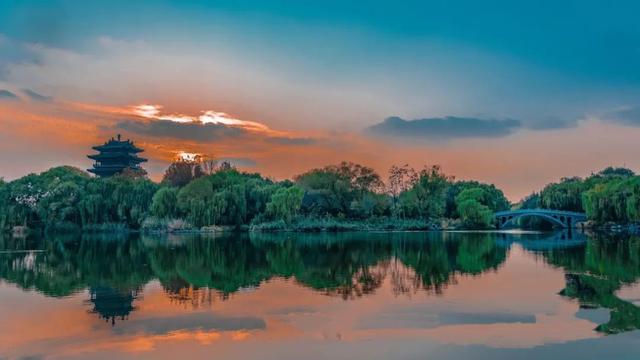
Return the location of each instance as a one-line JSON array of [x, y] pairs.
[[196, 194], [609, 196]]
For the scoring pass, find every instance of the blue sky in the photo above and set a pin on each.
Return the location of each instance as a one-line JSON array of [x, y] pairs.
[[452, 72]]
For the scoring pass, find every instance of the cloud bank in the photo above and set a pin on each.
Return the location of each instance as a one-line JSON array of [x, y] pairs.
[[6, 94], [183, 131], [444, 128], [629, 116], [36, 96]]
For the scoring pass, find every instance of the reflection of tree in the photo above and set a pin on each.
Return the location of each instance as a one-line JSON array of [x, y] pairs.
[[112, 304], [194, 269], [63, 265], [437, 261], [596, 271], [342, 264], [225, 263]]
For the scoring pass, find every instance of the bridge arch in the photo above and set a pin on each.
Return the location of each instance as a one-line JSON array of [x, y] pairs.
[[512, 220], [564, 219]]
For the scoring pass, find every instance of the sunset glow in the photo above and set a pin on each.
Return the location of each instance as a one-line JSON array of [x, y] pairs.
[[186, 156], [207, 117], [287, 179]]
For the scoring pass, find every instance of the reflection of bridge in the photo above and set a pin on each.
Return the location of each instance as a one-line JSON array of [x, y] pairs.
[[543, 241], [564, 219]]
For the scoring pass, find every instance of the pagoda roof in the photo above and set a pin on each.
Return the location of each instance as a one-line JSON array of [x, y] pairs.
[[116, 144], [116, 156]]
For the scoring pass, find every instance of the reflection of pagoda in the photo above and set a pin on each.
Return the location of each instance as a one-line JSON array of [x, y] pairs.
[[112, 304], [114, 156]]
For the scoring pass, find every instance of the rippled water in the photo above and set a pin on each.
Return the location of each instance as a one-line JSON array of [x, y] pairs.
[[321, 296]]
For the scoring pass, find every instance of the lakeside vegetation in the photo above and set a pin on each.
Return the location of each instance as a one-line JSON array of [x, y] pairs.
[[205, 195], [609, 196]]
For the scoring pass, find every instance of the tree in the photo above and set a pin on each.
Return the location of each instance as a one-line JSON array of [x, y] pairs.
[[401, 179], [227, 197], [164, 203], [180, 173], [427, 198], [565, 195], [472, 211], [334, 189], [491, 197], [616, 171], [133, 173], [617, 200], [285, 204]]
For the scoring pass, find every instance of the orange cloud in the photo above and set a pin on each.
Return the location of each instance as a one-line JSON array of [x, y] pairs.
[[206, 117]]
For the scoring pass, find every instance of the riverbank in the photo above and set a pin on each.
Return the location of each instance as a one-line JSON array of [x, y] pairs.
[[303, 225]]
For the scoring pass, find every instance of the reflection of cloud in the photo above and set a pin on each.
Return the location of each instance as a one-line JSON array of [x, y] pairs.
[[444, 128], [192, 321], [293, 310], [413, 318]]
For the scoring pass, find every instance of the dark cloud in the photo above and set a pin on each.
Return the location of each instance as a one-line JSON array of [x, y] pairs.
[[444, 128], [553, 123], [629, 116], [185, 131], [35, 96], [6, 94], [196, 131], [280, 140]]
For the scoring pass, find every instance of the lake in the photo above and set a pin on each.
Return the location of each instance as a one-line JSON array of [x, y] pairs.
[[414, 295]]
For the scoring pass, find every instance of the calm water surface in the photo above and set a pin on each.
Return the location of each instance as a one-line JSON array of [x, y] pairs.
[[321, 296]]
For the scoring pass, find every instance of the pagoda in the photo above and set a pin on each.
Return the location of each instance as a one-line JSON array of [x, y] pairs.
[[114, 156]]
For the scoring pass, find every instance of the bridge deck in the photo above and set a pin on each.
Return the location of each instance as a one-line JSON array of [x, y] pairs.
[[540, 211], [559, 217]]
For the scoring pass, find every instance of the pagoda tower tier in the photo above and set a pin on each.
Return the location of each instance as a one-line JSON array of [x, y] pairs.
[[114, 156]]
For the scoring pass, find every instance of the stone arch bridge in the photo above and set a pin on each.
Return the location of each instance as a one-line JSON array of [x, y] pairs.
[[564, 219]]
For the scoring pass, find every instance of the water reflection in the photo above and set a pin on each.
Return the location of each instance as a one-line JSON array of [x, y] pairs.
[[195, 270]]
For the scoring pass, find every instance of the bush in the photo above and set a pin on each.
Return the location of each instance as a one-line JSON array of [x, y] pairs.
[[156, 225]]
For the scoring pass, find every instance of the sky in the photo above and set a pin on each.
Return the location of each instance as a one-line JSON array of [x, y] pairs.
[[518, 94]]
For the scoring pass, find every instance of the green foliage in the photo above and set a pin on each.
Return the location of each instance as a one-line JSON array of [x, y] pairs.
[[164, 203], [285, 204], [617, 200], [619, 171], [611, 195], [62, 196], [332, 224], [471, 208], [66, 198], [346, 189], [565, 195], [492, 197], [427, 197], [227, 197]]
